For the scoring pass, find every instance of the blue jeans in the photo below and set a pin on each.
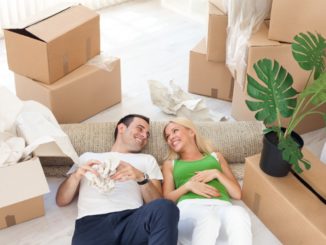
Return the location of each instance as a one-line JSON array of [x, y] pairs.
[[153, 223]]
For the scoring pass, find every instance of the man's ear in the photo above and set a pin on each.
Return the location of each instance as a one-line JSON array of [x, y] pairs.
[[121, 128]]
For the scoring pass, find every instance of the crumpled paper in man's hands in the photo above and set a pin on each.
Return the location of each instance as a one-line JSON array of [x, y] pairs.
[[103, 183], [175, 101]]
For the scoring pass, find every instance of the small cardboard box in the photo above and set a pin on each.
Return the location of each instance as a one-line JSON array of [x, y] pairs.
[[216, 35], [53, 45], [208, 78], [260, 47], [290, 17], [291, 211], [77, 96], [22, 188]]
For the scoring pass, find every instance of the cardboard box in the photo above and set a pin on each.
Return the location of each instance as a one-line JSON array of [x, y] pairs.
[[208, 78], [260, 47], [293, 213], [79, 95], [22, 188], [51, 48], [290, 17], [216, 35]]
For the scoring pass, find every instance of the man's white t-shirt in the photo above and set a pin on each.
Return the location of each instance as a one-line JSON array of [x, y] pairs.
[[125, 195]]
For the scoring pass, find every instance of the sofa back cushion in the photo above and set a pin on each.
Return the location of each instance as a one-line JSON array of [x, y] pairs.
[[235, 140]]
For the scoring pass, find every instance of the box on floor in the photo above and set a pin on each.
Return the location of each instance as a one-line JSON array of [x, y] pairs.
[[49, 49], [77, 96], [22, 188], [259, 47], [208, 78], [290, 17], [216, 35], [289, 209]]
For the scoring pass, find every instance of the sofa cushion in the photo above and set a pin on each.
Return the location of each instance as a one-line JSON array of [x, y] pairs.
[[235, 140]]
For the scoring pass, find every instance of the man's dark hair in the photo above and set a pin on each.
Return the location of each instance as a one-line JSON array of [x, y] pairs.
[[126, 120]]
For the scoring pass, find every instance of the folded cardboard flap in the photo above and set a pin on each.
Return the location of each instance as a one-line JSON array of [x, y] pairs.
[[22, 181], [315, 177]]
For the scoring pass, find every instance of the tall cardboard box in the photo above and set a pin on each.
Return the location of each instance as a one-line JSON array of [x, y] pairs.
[[291, 211], [22, 188], [216, 35], [47, 49], [208, 78], [259, 47], [290, 17], [77, 96]]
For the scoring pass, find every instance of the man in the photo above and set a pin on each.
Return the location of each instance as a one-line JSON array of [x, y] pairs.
[[119, 216]]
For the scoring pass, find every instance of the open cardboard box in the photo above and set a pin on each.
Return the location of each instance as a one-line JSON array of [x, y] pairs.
[[53, 43], [22, 188]]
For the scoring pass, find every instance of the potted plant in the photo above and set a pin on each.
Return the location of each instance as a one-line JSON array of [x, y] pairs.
[[275, 98]]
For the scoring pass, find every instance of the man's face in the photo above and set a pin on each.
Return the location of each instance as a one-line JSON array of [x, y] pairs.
[[135, 136]]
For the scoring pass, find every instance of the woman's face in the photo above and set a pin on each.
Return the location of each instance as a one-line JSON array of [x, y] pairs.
[[177, 136]]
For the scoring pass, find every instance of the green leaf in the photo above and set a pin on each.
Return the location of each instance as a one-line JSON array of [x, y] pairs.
[[291, 152], [308, 51], [317, 89], [274, 94]]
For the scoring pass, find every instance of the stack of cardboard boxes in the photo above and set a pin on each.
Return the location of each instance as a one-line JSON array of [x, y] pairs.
[[288, 18], [208, 73], [49, 59]]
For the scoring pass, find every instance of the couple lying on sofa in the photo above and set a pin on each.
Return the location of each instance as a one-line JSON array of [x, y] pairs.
[[196, 177]]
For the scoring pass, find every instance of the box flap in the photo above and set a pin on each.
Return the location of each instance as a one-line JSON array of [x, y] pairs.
[[200, 47], [212, 9], [315, 177], [260, 38], [61, 23], [38, 16], [22, 181]]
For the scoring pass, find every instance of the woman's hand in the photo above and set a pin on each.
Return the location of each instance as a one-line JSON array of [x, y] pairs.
[[206, 175], [202, 189]]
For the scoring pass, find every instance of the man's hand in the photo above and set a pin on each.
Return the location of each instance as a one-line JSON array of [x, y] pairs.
[[202, 189], [127, 172], [205, 176], [87, 167]]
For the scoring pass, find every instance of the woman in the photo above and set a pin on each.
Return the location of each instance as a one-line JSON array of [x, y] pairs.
[[202, 184]]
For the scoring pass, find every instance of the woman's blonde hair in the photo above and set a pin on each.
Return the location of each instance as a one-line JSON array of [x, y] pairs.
[[204, 145]]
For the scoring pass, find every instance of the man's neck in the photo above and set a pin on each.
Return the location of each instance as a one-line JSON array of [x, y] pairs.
[[118, 148]]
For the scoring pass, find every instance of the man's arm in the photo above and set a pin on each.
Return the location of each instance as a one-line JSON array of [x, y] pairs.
[[150, 191], [68, 189]]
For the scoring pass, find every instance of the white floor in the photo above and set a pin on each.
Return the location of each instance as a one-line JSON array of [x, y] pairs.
[[153, 40]]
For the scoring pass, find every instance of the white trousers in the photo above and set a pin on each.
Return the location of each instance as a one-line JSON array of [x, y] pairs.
[[202, 220]]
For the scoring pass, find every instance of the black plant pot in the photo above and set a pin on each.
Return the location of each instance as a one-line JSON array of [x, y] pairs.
[[271, 161]]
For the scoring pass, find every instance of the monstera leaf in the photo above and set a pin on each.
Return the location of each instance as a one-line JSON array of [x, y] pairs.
[[275, 96], [309, 51], [317, 90]]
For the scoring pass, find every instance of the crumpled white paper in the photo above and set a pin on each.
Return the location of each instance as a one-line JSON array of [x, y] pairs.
[[174, 101], [103, 183], [34, 122], [244, 18], [12, 149]]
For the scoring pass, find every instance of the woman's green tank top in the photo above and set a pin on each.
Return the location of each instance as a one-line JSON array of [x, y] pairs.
[[184, 170]]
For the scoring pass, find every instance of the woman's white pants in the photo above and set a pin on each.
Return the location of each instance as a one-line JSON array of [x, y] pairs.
[[206, 218]]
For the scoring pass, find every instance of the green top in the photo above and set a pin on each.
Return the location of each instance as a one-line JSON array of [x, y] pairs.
[[184, 170]]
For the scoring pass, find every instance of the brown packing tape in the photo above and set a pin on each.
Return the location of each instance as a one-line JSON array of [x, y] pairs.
[[231, 89], [88, 48], [214, 92], [65, 64], [10, 220]]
